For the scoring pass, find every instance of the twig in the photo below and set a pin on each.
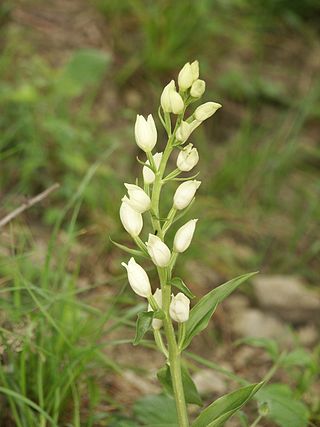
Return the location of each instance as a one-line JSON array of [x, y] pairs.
[[28, 204]]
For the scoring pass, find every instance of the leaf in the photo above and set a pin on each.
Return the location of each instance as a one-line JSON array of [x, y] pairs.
[[267, 344], [188, 178], [223, 408], [284, 409], [143, 325], [190, 390], [179, 284], [298, 357], [204, 309], [126, 249], [20, 398], [156, 410]]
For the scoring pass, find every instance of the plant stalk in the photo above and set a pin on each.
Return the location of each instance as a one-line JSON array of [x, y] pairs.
[[174, 357]]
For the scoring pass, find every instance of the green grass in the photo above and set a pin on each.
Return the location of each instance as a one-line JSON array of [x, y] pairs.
[[52, 338]]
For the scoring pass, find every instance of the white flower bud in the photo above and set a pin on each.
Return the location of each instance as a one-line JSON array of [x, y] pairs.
[[156, 323], [184, 235], [198, 88], [138, 278], [131, 219], [185, 193], [171, 101], [138, 199], [187, 158], [184, 131], [185, 77], [179, 308], [188, 74], [158, 251], [148, 175], [206, 110], [145, 133], [195, 70]]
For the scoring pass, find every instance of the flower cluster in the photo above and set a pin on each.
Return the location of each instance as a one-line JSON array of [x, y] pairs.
[[146, 199]]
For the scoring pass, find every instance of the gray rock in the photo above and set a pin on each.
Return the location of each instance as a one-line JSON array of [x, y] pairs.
[[308, 335], [289, 297], [207, 381], [255, 323], [144, 385]]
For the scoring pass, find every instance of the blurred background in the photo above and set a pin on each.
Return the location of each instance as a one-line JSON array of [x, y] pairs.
[[74, 74]]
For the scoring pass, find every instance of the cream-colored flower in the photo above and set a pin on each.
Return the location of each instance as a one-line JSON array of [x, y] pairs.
[[158, 251], [148, 174], [185, 193], [131, 219], [184, 235], [138, 278], [171, 101], [179, 308], [145, 133], [187, 158]]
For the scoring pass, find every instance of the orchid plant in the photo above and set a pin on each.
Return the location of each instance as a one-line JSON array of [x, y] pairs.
[[169, 316]]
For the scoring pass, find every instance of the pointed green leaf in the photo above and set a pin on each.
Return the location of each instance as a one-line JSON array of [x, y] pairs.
[[143, 325], [204, 309], [189, 387], [179, 284], [128, 250], [299, 357], [188, 178], [216, 414]]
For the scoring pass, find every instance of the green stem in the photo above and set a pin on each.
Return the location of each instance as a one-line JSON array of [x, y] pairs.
[[157, 185], [169, 221], [160, 343], [171, 175], [174, 360], [140, 244], [174, 356], [255, 423]]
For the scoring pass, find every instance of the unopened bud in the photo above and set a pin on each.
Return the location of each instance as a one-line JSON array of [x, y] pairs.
[[171, 101], [185, 193], [204, 111], [198, 88], [195, 69], [148, 174], [145, 133], [138, 278], [131, 219], [185, 77], [158, 251], [138, 199], [264, 409], [188, 74], [184, 131], [187, 158], [184, 236], [179, 308]]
